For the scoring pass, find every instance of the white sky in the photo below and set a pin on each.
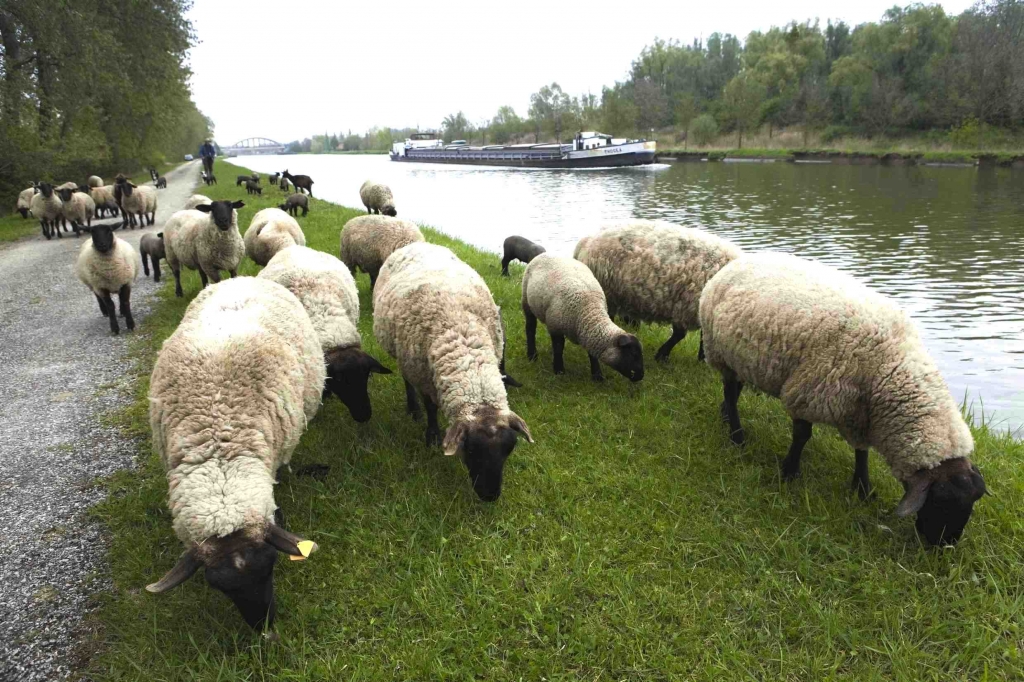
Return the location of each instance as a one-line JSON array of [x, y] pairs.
[[287, 69]]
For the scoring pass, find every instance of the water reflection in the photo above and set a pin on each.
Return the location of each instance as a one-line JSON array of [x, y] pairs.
[[948, 243]]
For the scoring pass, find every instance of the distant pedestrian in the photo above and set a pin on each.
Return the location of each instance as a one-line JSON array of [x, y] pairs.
[[207, 151]]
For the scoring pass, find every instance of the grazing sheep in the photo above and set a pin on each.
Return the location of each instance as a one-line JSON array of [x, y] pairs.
[[94, 181], [435, 315], [521, 249], [78, 208], [654, 271], [204, 239], [230, 395], [241, 180], [272, 178], [301, 182], [25, 200], [152, 246], [107, 264], [255, 177], [161, 182], [252, 187], [294, 202], [563, 294], [377, 198], [283, 185], [837, 353], [367, 241], [328, 293], [195, 200], [270, 231], [48, 207], [139, 201], [103, 198]]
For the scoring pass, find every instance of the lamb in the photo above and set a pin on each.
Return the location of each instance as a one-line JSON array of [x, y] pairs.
[[241, 180], [563, 294], [283, 185], [195, 200], [377, 198], [519, 248], [301, 182], [329, 295], [152, 246], [107, 264], [270, 231], [204, 239], [294, 202], [367, 241], [94, 181], [78, 208], [138, 201], [436, 317], [103, 198], [161, 182], [837, 353], [25, 200], [654, 271], [272, 178], [230, 395], [252, 187], [48, 207], [255, 177]]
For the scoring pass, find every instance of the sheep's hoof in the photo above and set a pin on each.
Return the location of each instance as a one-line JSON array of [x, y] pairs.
[[789, 473], [317, 471], [531, 357], [738, 438], [865, 493], [559, 370], [661, 357], [415, 412], [433, 437], [597, 377], [723, 412]]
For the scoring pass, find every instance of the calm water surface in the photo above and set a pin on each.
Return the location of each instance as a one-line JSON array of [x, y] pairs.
[[947, 243]]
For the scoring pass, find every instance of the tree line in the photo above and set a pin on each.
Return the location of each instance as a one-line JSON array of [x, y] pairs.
[[916, 70], [93, 86]]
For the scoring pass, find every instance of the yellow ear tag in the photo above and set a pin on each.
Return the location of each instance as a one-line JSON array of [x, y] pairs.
[[306, 547], [296, 558]]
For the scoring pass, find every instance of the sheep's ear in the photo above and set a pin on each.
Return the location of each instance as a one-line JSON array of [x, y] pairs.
[[375, 366], [917, 493], [516, 423], [455, 437], [623, 340], [182, 571], [205, 208], [238, 204], [159, 235], [132, 184], [85, 228], [289, 543]]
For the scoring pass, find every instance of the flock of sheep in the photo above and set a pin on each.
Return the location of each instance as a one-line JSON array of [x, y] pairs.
[[236, 384]]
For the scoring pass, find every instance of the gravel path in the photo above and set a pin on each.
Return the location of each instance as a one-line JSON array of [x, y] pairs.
[[61, 370]]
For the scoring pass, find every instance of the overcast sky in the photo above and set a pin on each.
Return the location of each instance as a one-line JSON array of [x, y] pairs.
[[287, 69]]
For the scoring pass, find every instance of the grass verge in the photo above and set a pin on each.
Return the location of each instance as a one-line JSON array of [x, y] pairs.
[[632, 541]]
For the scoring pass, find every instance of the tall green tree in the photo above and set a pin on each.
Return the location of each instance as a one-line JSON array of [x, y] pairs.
[[742, 102]]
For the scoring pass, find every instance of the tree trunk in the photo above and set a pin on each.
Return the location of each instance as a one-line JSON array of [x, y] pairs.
[[740, 143]]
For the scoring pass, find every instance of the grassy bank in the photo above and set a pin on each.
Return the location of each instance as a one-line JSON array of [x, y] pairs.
[[632, 541]]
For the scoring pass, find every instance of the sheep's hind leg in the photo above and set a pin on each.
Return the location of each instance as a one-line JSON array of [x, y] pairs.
[[700, 349], [801, 434], [145, 263], [203, 277], [103, 306], [176, 271], [557, 349], [732, 387], [504, 266], [433, 430], [861, 480], [595, 369], [125, 300], [412, 403], [531, 335], [678, 334]]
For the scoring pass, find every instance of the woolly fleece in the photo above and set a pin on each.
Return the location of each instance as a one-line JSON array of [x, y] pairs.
[[79, 208], [191, 238], [47, 209], [270, 231], [107, 271], [25, 198], [195, 200], [230, 396], [835, 353], [375, 196], [368, 240]]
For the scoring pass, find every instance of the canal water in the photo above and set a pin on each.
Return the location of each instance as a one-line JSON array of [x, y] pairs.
[[946, 243]]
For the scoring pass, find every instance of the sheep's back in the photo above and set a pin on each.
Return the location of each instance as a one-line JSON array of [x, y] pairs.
[[270, 231], [556, 289], [25, 197], [48, 209], [180, 237], [368, 241]]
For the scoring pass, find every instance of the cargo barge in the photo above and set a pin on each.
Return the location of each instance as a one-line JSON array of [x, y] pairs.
[[587, 150]]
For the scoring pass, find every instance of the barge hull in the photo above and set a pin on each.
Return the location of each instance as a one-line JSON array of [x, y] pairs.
[[615, 161]]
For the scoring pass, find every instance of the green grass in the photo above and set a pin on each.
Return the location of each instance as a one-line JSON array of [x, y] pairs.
[[631, 542]]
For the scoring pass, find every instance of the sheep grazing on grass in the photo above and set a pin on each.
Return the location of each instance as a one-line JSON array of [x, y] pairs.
[[521, 249], [25, 200], [293, 203], [78, 208], [241, 180], [654, 271], [103, 198], [205, 239], [837, 353], [252, 187], [300, 182], [255, 177], [48, 207], [230, 395], [138, 201], [367, 241], [270, 231], [435, 315], [563, 294], [151, 246], [107, 265], [272, 178], [377, 198], [328, 293], [94, 181], [195, 200], [283, 185], [161, 182]]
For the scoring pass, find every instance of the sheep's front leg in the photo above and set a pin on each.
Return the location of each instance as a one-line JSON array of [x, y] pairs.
[[156, 269], [801, 434], [412, 404], [233, 273], [730, 410], [202, 276], [504, 266], [433, 430], [557, 348], [145, 263], [595, 369], [125, 300], [700, 349], [108, 302], [103, 306], [531, 335], [861, 479], [678, 334]]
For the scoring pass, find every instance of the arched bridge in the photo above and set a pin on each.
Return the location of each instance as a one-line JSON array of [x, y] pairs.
[[254, 145]]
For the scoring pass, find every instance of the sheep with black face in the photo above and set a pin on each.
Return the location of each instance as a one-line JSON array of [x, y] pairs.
[[205, 239], [435, 315], [300, 182], [107, 265], [563, 294], [48, 207], [222, 448], [78, 208], [138, 201], [253, 187]]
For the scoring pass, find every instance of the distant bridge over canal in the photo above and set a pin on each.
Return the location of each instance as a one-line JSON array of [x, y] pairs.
[[254, 145]]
